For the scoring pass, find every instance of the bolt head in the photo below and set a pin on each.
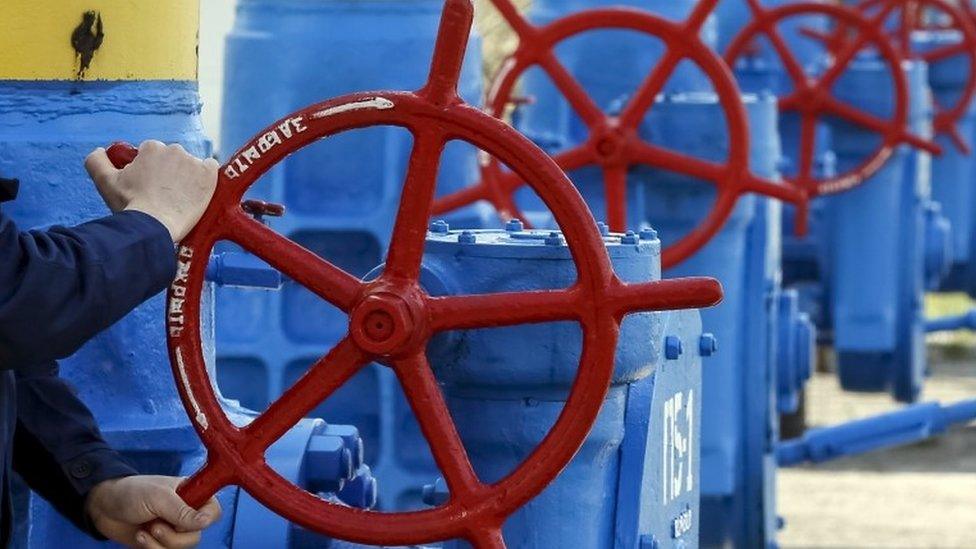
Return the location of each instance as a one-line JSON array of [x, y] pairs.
[[648, 542], [672, 347], [467, 237], [707, 344], [648, 234], [629, 238], [514, 226], [554, 239], [436, 494], [439, 226], [603, 228]]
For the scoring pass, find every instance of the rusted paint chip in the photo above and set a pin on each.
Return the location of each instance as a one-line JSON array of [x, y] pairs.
[[86, 39]]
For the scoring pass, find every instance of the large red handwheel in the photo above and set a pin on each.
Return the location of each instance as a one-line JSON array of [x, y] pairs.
[[812, 97], [614, 143], [392, 317], [914, 15]]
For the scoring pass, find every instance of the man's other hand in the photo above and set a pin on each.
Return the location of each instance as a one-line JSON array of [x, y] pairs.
[[120, 508], [164, 181]]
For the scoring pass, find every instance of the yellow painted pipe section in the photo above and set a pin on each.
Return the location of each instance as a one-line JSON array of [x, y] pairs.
[[116, 39]]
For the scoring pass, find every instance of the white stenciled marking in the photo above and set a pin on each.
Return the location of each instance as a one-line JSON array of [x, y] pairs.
[[375, 103], [199, 415], [677, 474]]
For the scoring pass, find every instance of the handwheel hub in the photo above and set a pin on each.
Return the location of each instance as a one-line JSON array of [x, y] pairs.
[[610, 146], [382, 323]]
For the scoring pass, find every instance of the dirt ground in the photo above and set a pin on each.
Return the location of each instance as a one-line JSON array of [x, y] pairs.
[[917, 496]]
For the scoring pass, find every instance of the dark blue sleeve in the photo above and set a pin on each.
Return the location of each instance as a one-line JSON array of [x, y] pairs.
[[58, 449], [62, 286]]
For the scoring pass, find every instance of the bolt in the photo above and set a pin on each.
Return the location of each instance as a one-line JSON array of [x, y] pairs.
[[648, 542], [349, 434], [707, 344], [436, 494], [629, 238], [648, 233], [603, 227], [672, 347], [780, 522], [467, 237], [328, 463], [361, 491], [514, 226], [554, 239], [439, 226]]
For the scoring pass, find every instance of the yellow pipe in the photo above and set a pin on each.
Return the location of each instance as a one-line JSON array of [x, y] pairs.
[[99, 39]]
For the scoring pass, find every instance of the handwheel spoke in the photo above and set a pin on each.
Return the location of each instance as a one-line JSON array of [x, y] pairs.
[[302, 266], [502, 309], [644, 97], [849, 49], [459, 199], [572, 90], [202, 485], [429, 407], [416, 204], [873, 123], [944, 52], [664, 295], [790, 62], [317, 384], [487, 539], [659, 157], [773, 189], [615, 192], [511, 15]]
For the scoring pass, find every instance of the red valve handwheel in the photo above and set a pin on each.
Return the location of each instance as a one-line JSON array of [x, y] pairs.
[[613, 142], [392, 318], [812, 97], [910, 15]]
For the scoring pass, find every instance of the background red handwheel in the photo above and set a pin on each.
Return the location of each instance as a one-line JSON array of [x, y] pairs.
[[812, 97], [392, 318], [613, 143], [911, 15]]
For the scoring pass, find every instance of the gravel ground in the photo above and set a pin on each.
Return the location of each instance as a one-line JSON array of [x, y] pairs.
[[917, 496]]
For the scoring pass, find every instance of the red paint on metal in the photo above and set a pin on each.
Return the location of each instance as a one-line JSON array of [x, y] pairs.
[[613, 143], [812, 98], [392, 318]]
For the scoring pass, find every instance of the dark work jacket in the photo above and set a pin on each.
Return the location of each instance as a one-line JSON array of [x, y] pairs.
[[59, 288]]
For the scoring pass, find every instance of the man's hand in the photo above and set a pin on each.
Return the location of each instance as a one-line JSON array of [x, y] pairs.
[[163, 181], [119, 508]]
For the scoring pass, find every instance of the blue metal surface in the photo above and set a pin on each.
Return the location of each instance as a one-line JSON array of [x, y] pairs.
[[282, 56], [739, 385], [954, 171], [872, 251], [910, 424], [796, 349], [951, 323], [876, 245], [739, 389], [124, 375], [637, 473]]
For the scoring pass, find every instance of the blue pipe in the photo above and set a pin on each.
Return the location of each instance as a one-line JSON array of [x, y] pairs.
[[910, 424], [965, 321]]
